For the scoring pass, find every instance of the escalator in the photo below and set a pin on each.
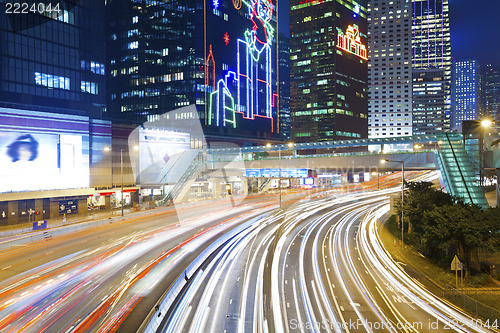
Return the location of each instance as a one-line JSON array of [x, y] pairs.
[[458, 171]]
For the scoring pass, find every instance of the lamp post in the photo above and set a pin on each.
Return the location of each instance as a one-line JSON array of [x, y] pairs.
[[121, 171], [402, 194], [290, 145]]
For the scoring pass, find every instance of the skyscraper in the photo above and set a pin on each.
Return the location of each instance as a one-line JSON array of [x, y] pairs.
[[490, 82], [429, 101], [431, 46], [389, 68], [284, 85], [52, 95], [53, 59], [466, 92], [328, 53], [218, 55]]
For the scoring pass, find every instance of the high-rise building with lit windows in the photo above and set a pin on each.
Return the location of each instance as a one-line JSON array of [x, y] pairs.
[[490, 90], [329, 61], [284, 84], [431, 48], [466, 92], [220, 55], [430, 93], [53, 60], [52, 97], [389, 68]]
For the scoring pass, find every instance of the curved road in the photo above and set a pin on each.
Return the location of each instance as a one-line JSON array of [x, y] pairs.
[[317, 266]]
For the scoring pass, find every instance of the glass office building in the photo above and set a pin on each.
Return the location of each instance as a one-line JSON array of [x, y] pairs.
[[218, 55], [466, 92], [389, 68], [490, 90], [328, 55], [53, 60], [431, 48]]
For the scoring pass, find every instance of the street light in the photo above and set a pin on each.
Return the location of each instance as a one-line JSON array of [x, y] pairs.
[[402, 193], [486, 123], [290, 145]]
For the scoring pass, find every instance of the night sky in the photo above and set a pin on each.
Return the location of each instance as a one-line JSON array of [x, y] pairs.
[[475, 29]]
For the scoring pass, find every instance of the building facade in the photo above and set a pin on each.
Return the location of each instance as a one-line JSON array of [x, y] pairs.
[[218, 55], [389, 68], [284, 84], [490, 88], [429, 101], [52, 96], [329, 64], [53, 60], [466, 92], [431, 48]]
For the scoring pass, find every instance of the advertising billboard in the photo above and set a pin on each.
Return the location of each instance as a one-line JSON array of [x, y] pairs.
[[32, 162], [274, 173], [156, 148]]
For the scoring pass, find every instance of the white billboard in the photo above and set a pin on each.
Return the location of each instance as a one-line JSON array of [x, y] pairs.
[[32, 162]]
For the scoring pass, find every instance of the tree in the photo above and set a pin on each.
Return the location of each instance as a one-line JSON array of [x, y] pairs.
[[420, 197], [465, 226]]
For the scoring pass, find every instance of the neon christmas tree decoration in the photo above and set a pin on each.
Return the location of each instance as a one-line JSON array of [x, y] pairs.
[[351, 42]]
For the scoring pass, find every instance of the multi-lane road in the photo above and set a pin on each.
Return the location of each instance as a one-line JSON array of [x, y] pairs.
[[93, 279], [314, 265]]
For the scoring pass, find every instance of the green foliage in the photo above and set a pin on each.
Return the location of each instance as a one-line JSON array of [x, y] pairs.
[[439, 222], [392, 225], [479, 280]]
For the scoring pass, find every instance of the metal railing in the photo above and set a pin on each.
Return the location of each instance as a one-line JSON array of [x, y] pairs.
[[469, 304]]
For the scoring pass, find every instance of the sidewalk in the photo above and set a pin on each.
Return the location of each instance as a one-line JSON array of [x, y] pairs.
[[11, 231]]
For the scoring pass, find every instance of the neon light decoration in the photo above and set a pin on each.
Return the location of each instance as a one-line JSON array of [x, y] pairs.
[[215, 4], [351, 42], [226, 38], [238, 92], [237, 4], [210, 69]]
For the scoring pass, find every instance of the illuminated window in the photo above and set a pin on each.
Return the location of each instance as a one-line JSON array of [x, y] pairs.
[[89, 87], [52, 81]]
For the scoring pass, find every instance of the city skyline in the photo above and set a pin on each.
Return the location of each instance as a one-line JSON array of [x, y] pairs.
[[465, 21]]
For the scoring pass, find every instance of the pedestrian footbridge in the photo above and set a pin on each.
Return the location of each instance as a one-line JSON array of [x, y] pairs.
[[449, 153]]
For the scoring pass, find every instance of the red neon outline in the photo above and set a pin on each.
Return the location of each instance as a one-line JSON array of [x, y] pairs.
[[210, 55], [352, 39]]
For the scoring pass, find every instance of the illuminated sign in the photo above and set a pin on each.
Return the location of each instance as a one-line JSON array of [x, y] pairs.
[[275, 173], [156, 147], [351, 42], [238, 92], [314, 2], [32, 162], [237, 4]]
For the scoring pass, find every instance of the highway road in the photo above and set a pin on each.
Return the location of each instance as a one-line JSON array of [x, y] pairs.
[[283, 273], [315, 266], [108, 278]]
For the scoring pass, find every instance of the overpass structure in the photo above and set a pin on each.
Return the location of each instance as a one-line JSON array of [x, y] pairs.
[[447, 152]]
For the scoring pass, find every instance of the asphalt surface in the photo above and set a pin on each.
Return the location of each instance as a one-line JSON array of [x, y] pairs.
[[107, 278], [316, 265]]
